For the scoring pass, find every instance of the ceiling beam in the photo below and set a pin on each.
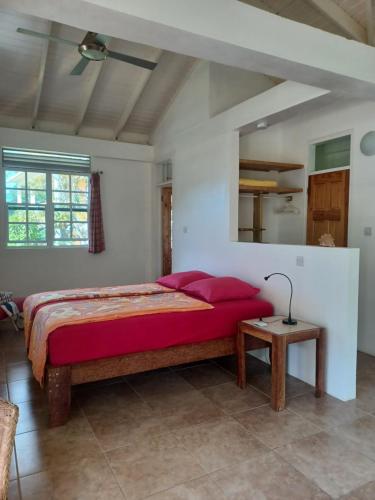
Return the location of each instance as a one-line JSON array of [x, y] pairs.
[[87, 98], [341, 18], [143, 80], [370, 19], [277, 46], [40, 80]]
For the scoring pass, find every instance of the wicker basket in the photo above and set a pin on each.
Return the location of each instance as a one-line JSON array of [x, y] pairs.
[[8, 423]]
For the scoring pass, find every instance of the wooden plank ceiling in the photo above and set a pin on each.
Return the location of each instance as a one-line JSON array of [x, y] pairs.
[[112, 99]]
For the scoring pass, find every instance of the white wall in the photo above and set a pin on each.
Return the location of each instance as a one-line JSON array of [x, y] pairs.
[[205, 198], [289, 141], [127, 186]]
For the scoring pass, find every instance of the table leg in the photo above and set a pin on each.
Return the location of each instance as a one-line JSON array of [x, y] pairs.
[[241, 360], [320, 354], [278, 372]]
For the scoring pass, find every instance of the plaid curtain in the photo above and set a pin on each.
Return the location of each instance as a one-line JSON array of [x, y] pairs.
[[96, 231]]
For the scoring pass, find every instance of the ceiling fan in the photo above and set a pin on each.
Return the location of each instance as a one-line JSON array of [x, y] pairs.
[[92, 48]]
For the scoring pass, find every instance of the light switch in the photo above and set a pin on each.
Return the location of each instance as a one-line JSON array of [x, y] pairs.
[[300, 261], [367, 231], [185, 229]]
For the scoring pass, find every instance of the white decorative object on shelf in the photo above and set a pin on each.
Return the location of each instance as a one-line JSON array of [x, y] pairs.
[[326, 240]]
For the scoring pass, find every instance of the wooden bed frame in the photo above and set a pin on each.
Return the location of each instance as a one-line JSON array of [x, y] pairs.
[[61, 378]]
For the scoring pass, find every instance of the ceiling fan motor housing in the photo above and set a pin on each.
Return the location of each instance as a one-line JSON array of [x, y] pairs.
[[92, 49]]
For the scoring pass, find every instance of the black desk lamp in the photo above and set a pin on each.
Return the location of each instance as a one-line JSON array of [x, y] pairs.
[[288, 320]]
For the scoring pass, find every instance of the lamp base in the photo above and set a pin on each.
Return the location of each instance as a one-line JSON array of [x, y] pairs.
[[289, 321]]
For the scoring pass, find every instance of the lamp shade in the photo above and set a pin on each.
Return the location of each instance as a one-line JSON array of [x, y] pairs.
[[368, 144]]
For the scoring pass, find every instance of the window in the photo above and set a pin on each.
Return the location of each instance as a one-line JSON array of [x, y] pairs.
[[334, 153], [46, 198]]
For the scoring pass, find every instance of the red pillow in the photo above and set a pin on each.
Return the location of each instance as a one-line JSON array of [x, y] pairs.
[[221, 289], [179, 280]]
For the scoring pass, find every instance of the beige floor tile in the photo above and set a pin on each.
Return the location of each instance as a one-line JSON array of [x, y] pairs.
[[132, 423], [32, 415], [116, 430], [92, 480], [16, 354], [13, 467], [3, 377], [231, 399], [366, 492], [362, 433], [325, 412], [335, 465], [366, 395], [151, 384], [197, 489], [189, 408], [293, 386], [72, 443], [111, 398], [25, 390], [205, 376], [3, 391], [19, 371], [220, 444], [13, 492], [267, 477], [275, 429], [153, 466]]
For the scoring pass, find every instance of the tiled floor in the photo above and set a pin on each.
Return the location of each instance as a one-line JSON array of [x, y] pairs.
[[190, 434]]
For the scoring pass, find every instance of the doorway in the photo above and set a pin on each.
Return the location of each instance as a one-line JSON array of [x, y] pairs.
[[328, 206], [166, 232]]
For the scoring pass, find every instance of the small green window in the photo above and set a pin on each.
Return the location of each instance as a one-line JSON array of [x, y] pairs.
[[334, 153]]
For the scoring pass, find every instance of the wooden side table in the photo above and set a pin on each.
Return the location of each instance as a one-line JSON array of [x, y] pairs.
[[278, 336]]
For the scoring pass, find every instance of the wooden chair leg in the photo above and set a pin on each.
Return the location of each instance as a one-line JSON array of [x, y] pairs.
[[241, 360], [59, 394], [320, 357]]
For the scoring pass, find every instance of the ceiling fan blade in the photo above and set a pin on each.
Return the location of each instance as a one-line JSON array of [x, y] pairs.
[[103, 39], [45, 35], [80, 67], [142, 63]]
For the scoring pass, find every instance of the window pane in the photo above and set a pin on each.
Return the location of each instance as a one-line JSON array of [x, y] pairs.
[[80, 198], [79, 214], [37, 232], [80, 183], [36, 180], [62, 230], [70, 243], [60, 182], [62, 213], [37, 197], [63, 197], [16, 214], [17, 232], [15, 196], [79, 231], [36, 215], [14, 179]]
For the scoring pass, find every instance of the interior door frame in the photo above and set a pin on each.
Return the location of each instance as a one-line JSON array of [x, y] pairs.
[[166, 229], [347, 196]]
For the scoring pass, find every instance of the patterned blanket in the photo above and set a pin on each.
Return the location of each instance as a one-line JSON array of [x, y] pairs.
[[35, 301], [53, 316]]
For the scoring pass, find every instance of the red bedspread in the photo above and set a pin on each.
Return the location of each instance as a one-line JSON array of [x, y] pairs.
[[78, 343]]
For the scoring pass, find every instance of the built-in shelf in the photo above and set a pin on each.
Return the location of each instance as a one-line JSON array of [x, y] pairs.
[[267, 190], [268, 166]]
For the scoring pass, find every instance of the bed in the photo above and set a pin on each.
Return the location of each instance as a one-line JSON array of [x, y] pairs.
[[95, 350]]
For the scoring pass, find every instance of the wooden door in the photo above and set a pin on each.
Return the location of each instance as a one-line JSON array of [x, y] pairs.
[[166, 218], [328, 203]]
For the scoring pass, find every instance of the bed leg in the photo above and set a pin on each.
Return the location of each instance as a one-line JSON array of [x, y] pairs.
[[58, 387]]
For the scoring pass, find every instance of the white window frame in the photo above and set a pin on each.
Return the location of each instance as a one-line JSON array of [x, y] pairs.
[[49, 210]]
